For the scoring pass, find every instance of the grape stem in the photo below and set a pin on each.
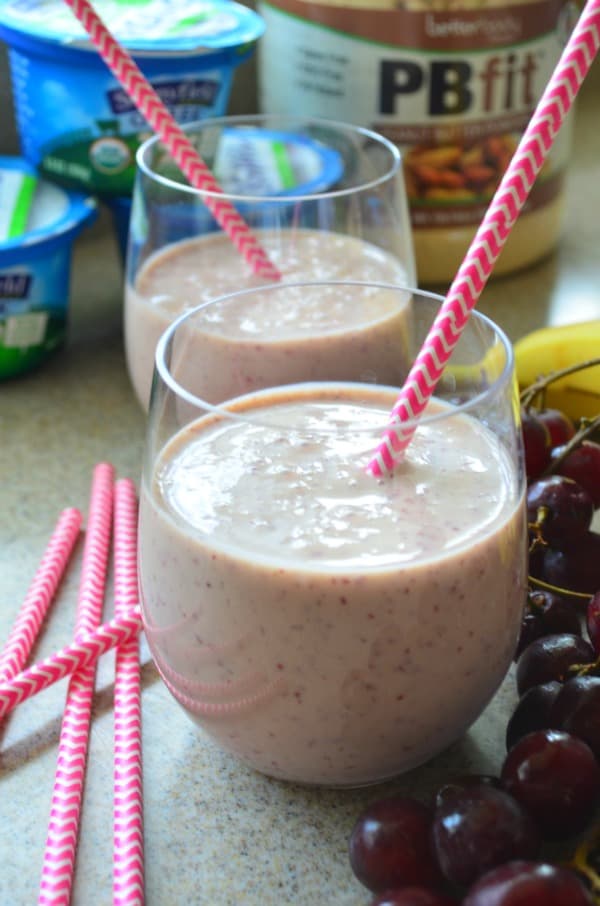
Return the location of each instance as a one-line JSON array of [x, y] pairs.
[[592, 669], [564, 592], [586, 430], [585, 861], [539, 541], [529, 393]]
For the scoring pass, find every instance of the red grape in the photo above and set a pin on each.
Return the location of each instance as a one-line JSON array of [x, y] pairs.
[[536, 443], [480, 827], [592, 620], [550, 658], [554, 612], [576, 710], [458, 784], [556, 778], [536, 557], [561, 507], [546, 614], [583, 466], [552, 567], [560, 427], [530, 631], [575, 567], [532, 712], [529, 884], [390, 846], [412, 896]]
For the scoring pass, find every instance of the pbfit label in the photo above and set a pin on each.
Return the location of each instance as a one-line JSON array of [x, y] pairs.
[[454, 89]]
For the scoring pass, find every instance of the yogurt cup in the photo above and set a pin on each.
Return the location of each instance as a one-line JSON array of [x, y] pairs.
[[38, 223], [76, 122]]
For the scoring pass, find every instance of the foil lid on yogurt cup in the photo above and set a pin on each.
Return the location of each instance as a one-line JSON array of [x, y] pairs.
[[34, 211], [143, 26], [261, 162], [38, 223]]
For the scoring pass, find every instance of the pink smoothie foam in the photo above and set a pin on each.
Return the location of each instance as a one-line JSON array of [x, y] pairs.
[[324, 626], [303, 335]]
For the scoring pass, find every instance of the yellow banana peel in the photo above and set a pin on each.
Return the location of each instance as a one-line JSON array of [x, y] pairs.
[[553, 348], [486, 370]]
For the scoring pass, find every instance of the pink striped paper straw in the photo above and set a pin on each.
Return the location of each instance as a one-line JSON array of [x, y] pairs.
[[61, 844], [128, 831], [84, 652], [489, 240], [40, 594], [185, 155]]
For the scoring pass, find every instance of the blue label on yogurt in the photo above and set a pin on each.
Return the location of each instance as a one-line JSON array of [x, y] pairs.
[[86, 133], [33, 313], [14, 285], [178, 94]]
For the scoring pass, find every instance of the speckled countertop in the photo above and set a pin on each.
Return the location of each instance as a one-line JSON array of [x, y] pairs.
[[215, 832]]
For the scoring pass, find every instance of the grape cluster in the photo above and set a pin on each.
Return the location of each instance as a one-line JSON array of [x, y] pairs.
[[558, 667], [480, 842], [563, 470]]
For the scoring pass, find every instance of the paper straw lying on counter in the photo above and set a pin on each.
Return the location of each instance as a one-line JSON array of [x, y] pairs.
[[40, 594], [63, 830], [128, 830], [185, 155], [491, 236], [79, 654]]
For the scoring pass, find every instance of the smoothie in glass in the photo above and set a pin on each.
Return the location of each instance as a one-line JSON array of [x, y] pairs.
[[325, 200], [307, 331], [325, 626]]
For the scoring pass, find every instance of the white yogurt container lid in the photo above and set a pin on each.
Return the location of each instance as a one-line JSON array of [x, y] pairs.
[[35, 212], [153, 27]]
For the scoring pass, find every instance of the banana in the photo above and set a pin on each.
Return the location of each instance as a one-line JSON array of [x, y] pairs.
[[477, 374], [553, 348]]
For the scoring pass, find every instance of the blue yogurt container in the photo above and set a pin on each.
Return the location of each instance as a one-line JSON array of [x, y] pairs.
[[38, 223], [76, 122]]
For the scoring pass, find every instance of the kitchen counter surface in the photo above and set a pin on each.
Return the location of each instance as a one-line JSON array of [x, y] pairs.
[[215, 832]]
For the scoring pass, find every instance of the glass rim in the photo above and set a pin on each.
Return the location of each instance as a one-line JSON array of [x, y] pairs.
[[198, 125], [221, 410]]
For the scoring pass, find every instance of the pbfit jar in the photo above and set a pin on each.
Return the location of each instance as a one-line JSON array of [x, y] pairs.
[[452, 83]]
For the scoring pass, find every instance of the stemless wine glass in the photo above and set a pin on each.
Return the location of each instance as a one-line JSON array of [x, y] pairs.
[[326, 201], [323, 625]]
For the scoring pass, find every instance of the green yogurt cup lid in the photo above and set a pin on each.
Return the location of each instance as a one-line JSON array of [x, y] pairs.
[[159, 26]]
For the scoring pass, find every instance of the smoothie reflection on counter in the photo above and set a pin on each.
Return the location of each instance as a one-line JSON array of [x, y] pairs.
[[324, 626], [312, 331]]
